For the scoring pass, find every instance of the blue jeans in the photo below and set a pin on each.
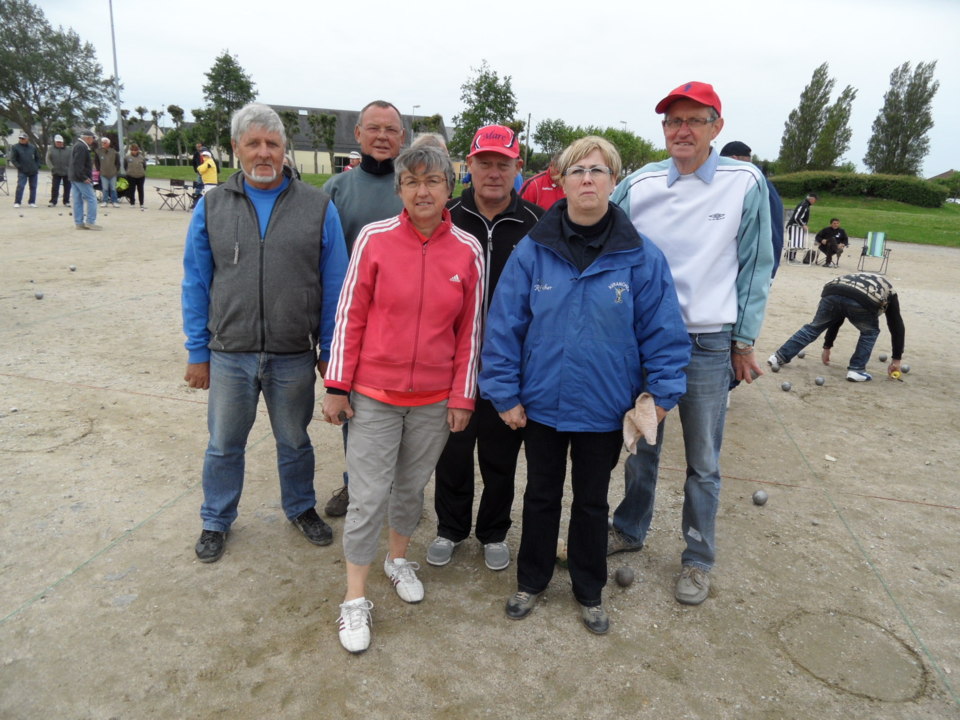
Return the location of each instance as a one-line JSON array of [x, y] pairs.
[[236, 381], [703, 410], [834, 308], [22, 179], [81, 194], [109, 188]]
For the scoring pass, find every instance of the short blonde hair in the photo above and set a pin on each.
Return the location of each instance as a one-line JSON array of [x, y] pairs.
[[579, 149]]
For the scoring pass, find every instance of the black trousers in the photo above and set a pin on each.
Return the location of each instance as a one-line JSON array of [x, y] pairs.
[[593, 457], [497, 449], [136, 186], [55, 191]]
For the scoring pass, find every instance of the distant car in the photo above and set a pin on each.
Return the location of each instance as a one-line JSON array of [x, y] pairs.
[[151, 161], [955, 201]]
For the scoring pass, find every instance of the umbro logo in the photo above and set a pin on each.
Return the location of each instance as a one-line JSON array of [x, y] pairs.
[[716, 216], [455, 278]]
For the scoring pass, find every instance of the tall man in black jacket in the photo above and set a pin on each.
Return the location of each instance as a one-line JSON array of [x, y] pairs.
[[491, 211]]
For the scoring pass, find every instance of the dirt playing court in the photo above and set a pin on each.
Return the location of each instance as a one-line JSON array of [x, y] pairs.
[[839, 598]]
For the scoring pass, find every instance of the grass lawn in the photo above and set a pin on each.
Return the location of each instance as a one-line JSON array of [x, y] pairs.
[[901, 222]]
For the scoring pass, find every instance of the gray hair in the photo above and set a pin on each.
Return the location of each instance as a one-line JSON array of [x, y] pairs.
[[431, 159], [256, 115], [433, 139], [383, 105]]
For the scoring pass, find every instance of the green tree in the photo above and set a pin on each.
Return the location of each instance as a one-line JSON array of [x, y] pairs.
[[834, 138], [553, 135], [803, 126], [47, 75], [429, 124], [899, 142], [487, 100], [173, 141], [291, 126], [176, 115], [323, 132], [156, 115], [228, 89]]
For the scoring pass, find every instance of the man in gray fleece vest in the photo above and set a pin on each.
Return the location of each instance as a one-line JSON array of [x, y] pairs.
[[263, 265]]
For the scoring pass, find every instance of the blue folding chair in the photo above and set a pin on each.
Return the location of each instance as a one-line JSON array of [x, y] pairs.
[[875, 247]]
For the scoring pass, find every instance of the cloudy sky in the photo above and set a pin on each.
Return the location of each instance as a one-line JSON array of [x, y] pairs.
[[603, 63]]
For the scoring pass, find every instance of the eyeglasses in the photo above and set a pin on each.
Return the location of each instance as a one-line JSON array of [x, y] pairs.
[[388, 130], [432, 182], [579, 172], [694, 123]]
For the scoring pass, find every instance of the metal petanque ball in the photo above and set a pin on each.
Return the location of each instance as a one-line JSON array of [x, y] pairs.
[[760, 497], [819, 381], [624, 576], [905, 368], [775, 368], [73, 268], [882, 357], [38, 295], [802, 354], [785, 386]]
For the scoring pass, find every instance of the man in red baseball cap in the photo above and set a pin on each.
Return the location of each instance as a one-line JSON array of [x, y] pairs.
[[711, 218], [492, 211]]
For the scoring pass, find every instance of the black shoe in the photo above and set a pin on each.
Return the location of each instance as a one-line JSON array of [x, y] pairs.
[[520, 604], [210, 546], [313, 528], [595, 618], [337, 505]]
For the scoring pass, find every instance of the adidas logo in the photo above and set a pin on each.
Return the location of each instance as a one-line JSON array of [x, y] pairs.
[[455, 278]]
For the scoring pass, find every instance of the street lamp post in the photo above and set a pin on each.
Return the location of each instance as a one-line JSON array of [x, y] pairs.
[[413, 120], [624, 123]]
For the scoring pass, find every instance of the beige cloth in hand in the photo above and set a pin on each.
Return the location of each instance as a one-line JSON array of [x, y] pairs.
[[640, 421]]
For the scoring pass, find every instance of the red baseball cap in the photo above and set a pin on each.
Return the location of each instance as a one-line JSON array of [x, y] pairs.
[[495, 138], [702, 93]]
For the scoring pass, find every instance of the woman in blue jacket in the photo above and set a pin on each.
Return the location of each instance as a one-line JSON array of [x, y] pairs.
[[585, 318]]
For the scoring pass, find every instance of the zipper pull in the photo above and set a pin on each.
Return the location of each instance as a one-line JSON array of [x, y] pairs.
[[236, 252]]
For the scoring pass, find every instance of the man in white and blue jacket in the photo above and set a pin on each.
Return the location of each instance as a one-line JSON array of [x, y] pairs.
[[711, 218]]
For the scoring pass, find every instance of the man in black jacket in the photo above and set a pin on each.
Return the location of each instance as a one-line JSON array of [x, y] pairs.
[[82, 196], [832, 240], [491, 211]]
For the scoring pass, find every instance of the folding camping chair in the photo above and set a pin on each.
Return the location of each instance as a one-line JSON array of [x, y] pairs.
[[173, 197], [3, 180], [875, 247]]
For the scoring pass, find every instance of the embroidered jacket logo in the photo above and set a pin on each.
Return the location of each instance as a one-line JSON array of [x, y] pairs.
[[619, 288], [541, 286], [716, 216]]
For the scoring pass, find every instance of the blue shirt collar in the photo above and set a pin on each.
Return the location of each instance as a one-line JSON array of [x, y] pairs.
[[705, 172]]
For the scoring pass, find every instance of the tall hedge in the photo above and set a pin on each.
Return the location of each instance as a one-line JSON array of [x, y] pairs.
[[903, 188]]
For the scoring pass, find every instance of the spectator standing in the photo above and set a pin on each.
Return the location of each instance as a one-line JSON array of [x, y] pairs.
[[108, 163], [742, 152], [263, 266], [354, 160], [799, 225], [25, 157], [82, 194], [58, 160], [544, 188], [136, 164], [365, 195], [207, 169], [491, 211], [711, 218]]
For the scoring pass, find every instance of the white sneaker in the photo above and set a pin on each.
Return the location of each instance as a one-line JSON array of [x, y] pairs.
[[16, 205], [774, 362], [355, 624], [859, 376], [33, 205], [404, 578]]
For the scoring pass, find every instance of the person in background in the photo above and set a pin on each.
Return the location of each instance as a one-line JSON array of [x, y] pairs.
[[544, 188], [82, 195], [207, 169], [108, 163], [25, 157], [136, 164], [353, 161], [832, 241], [58, 160]]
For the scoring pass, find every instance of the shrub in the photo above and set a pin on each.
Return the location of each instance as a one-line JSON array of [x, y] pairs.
[[903, 188]]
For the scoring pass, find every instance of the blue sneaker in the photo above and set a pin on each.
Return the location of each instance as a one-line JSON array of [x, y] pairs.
[[859, 376]]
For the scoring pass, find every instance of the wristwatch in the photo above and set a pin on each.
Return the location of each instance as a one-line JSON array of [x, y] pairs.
[[742, 348]]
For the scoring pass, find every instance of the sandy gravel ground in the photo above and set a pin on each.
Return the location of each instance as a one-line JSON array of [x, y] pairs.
[[840, 598]]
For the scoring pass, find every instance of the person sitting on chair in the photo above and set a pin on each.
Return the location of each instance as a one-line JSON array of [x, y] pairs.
[[831, 241]]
